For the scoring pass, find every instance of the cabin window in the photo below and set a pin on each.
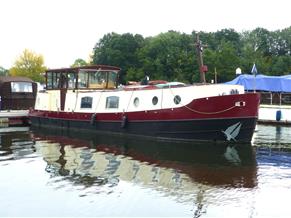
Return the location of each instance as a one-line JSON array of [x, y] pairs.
[[155, 100], [21, 87], [49, 77], [63, 81], [136, 102], [112, 102], [52, 80], [97, 79], [71, 80], [112, 79], [56, 79], [83, 80], [177, 99], [86, 102]]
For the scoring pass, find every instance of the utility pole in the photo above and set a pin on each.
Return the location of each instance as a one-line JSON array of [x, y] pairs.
[[202, 68], [215, 75]]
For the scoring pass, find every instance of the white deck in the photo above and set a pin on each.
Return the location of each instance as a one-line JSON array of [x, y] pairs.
[[269, 113], [13, 113]]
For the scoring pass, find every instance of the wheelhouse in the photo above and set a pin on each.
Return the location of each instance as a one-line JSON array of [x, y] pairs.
[[86, 77]]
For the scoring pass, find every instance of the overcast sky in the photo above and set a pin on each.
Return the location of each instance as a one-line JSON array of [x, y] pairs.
[[65, 30]]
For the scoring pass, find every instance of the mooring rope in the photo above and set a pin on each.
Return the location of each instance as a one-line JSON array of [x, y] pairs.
[[203, 112], [98, 101], [76, 100], [129, 101]]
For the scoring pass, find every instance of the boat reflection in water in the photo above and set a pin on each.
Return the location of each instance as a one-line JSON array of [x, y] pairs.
[[106, 160], [16, 143]]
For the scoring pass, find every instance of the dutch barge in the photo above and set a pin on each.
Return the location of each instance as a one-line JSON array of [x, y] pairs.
[[89, 98]]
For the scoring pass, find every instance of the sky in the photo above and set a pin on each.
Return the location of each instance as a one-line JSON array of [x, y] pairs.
[[65, 30]]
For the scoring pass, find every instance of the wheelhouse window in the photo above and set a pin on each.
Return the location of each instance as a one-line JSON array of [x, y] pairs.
[[63, 81], [71, 80], [53, 79], [83, 79], [57, 80], [112, 102], [49, 80], [86, 102], [21, 87], [112, 80], [97, 79]]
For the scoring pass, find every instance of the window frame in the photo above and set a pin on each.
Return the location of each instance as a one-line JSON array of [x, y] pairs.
[[112, 102], [86, 102]]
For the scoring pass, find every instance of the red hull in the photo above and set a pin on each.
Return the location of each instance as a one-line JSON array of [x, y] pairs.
[[185, 122]]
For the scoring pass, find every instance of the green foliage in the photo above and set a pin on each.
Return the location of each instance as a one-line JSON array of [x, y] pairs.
[[172, 56], [119, 50], [79, 62], [29, 65], [168, 56], [3, 71]]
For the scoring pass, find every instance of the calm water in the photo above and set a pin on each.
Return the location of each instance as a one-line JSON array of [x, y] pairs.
[[46, 173]]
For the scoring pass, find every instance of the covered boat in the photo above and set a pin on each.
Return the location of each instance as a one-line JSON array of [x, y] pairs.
[[89, 98], [17, 95], [275, 106]]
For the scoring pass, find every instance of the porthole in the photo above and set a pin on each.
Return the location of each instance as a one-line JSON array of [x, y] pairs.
[[136, 102], [155, 100], [177, 99]]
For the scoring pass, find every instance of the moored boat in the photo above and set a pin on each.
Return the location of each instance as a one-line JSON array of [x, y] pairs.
[[89, 98], [17, 95], [275, 105]]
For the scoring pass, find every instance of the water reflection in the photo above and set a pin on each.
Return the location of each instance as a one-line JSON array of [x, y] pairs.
[[275, 136], [108, 175], [105, 160], [273, 146], [16, 145]]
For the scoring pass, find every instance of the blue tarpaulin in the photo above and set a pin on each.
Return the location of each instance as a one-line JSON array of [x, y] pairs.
[[263, 82]]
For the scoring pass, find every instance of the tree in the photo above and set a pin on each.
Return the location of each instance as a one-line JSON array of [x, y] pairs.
[[79, 62], [3, 71], [119, 50], [257, 48], [224, 59], [29, 65], [171, 56]]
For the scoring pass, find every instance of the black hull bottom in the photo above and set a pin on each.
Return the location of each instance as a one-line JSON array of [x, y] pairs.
[[220, 130]]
